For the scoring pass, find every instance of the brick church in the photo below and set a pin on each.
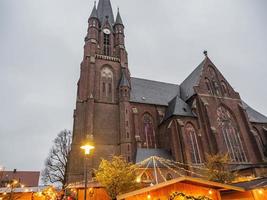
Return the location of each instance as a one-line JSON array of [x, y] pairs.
[[138, 118]]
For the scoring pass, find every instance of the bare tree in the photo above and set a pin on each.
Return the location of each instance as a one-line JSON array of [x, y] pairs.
[[56, 162], [2, 169]]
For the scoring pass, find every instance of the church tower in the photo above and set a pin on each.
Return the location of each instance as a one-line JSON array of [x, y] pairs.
[[103, 93]]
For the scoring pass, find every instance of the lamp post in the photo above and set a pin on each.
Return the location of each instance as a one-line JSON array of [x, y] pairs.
[[87, 149]]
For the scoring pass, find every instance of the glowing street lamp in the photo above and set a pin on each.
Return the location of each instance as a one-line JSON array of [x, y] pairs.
[[88, 147]]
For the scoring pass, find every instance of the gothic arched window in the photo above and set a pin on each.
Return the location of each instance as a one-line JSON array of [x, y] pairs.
[[224, 88], [259, 141], [208, 85], [191, 137], [148, 136], [107, 44], [106, 84], [214, 85], [231, 136]]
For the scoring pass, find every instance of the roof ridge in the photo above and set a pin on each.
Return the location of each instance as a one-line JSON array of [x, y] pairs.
[[155, 81], [201, 65]]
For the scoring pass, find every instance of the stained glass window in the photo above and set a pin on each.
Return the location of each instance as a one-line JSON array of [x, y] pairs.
[[231, 136], [193, 144], [259, 142], [148, 137]]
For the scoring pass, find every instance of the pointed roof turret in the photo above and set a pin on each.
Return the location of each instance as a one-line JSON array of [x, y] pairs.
[[94, 12], [104, 9], [118, 18], [124, 81]]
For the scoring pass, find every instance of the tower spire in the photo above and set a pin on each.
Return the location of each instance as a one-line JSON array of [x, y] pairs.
[[94, 12], [118, 18], [104, 9]]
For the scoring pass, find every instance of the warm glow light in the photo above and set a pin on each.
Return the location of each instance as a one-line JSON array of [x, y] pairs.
[[1, 198], [8, 185], [261, 191], [210, 192], [15, 182], [148, 196], [22, 186], [87, 148], [26, 190], [4, 193], [138, 180]]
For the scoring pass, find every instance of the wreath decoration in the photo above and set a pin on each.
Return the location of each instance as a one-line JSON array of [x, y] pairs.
[[183, 196]]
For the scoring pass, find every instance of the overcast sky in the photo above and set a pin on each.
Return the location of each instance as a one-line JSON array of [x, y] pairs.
[[41, 47]]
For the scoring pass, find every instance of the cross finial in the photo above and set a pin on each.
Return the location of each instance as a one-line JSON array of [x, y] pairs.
[[205, 53]]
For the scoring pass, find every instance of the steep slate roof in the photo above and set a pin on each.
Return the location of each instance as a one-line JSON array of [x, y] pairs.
[[152, 92], [94, 13], [27, 178], [253, 115], [143, 154], [177, 107], [253, 184], [175, 96], [118, 18], [192, 80], [104, 9]]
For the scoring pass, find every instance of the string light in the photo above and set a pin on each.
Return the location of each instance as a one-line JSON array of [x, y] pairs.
[[210, 192], [176, 167], [260, 191], [180, 168], [138, 179], [176, 172], [163, 177], [148, 196]]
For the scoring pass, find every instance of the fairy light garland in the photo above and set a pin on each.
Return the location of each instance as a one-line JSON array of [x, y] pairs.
[[176, 172], [180, 168], [174, 195], [145, 168], [160, 172]]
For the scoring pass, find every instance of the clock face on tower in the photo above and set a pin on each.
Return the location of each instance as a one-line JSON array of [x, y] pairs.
[[106, 31]]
